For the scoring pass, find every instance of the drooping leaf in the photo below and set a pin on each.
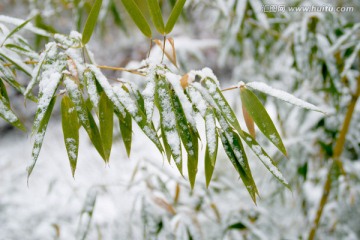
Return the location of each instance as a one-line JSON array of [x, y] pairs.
[[8, 76], [136, 15], [174, 15], [168, 119], [23, 51], [3, 91], [39, 136], [70, 126], [211, 144], [48, 85], [91, 22], [247, 180], [5, 111], [92, 90], [15, 30], [126, 131], [106, 112], [221, 102], [85, 117], [284, 96], [188, 138], [264, 157], [156, 15], [262, 119]]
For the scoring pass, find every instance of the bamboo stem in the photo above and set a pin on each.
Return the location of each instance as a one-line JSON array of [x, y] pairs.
[[339, 146]]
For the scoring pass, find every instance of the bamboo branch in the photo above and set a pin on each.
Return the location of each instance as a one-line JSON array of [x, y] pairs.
[[339, 146]]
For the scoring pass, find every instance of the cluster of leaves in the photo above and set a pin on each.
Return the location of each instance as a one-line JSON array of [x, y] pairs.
[[61, 71]]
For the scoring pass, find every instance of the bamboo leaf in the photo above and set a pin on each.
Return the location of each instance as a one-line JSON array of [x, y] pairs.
[[92, 90], [284, 96], [126, 131], [174, 15], [136, 15], [15, 61], [50, 49], [85, 117], [264, 157], [156, 15], [39, 136], [262, 119], [211, 144], [70, 126], [5, 111], [247, 180], [3, 91], [23, 51], [91, 22], [168, 119], [221, 103], [188, 137], [106, 111], [15, 30]]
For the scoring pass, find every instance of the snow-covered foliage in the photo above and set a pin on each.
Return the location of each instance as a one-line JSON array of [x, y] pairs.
[[307, 59]]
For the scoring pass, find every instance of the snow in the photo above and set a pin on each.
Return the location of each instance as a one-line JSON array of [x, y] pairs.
[[284, 96], [211, 136], [29, 26], [149, 92], [91, 88], [197, 100], [6, 112]]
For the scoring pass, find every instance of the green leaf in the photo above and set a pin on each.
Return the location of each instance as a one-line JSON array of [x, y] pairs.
[[126, 131], [39, 136], [236, 161], [156, 15], [23, 51], [264, 157], [188, 137], [174, 15], [70, 126], [15, 30], [211, 144], [221, 103], [85, 117], [136, 15], [106, 111], [91, 87], [5, 111], [91, 22], [262, 119], [168, 123]]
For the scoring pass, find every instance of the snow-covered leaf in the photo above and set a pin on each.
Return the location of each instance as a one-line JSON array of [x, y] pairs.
[[221, 102], [284, 96], [264, 157], [39, 136], [22, 51], [211, 144], [91, 22], [91, 87], [262, 119], [106, 119], [49, 53], [5, 111], [70, 126], [85, 117], [15, 30], [188, 138], [168, 119], [15, 60]]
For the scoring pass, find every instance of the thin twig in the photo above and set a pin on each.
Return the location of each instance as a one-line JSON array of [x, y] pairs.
[[163, 50], [134, 71], [229, 88]]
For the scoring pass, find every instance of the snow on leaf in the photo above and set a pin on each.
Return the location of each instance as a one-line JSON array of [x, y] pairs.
[[263, 156], [282, 95], [168, 119], [7, 114], [260, 116], [197, 99], [149, 92], [91, 87], [39, 136], [211, 144]]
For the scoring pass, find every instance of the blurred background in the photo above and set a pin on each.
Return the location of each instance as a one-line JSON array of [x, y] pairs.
[[314, 55]]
